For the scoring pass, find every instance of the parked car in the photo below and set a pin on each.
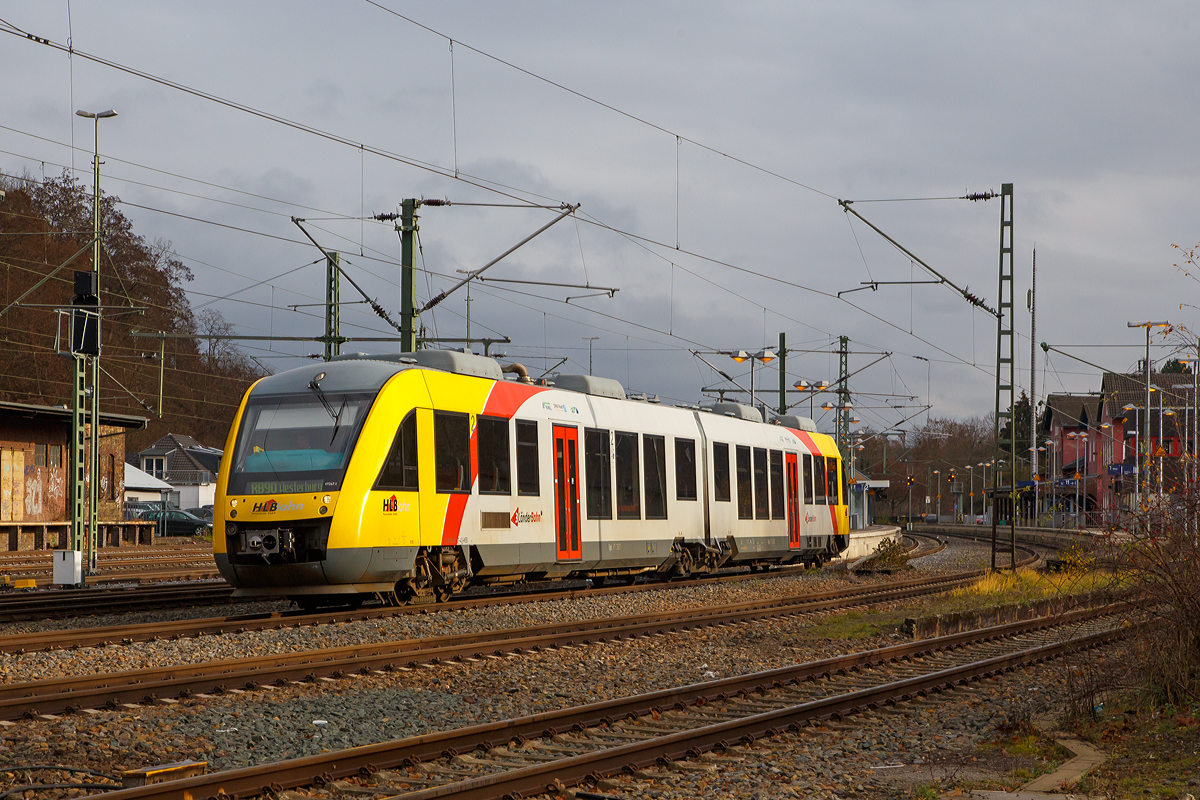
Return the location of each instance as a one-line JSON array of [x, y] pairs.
[[980, 519], [135, 508], [203, 512], [177, 523]]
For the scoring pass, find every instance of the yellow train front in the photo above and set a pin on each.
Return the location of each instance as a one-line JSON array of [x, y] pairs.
[[414, 476]]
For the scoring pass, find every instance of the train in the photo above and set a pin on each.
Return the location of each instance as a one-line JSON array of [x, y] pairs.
[[412, 476]]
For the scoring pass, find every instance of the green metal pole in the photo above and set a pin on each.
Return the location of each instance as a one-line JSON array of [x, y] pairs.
[[333, 307], [78, 456], [843, 414], [408, 278], [94, 485], [782, 373]]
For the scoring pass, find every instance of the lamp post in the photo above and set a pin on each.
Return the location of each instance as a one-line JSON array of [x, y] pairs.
[[94, 460], [764, 355], [971, 474], [937, 481], [812, 390], [983, 486], [1146, 432]]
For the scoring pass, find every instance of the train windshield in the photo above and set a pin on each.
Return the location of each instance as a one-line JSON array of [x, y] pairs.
[[296, 444]]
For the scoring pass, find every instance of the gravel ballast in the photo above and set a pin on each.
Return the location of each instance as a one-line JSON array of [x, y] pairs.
[[236, 730]]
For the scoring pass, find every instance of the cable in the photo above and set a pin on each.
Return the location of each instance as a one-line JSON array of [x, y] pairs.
[[602, 104]]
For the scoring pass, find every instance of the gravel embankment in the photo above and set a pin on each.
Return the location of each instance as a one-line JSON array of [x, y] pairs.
[[241, 729]]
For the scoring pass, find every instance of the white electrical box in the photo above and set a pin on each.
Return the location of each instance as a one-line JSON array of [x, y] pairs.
[[68, 567]]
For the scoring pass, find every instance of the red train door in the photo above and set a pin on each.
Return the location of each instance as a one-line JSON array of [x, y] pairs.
[[793, 502], [566, 493]]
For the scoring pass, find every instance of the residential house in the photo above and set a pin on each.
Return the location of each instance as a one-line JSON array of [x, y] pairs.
[[1094, 441], [190, 468]]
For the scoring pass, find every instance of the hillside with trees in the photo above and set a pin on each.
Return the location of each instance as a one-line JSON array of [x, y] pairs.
[[42, 225]]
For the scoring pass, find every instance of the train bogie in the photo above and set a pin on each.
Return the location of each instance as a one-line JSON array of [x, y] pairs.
[[367, 476]]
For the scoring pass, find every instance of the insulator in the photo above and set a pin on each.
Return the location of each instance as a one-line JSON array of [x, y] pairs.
[[386, 217]]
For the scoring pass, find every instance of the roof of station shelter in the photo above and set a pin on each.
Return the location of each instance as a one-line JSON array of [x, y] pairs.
[[63, 413]]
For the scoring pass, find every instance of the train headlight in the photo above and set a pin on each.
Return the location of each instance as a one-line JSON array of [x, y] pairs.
[[324, 509], [326, 500], [233, 502], [231, 529]]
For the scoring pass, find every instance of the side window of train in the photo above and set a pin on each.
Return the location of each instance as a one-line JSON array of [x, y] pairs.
[[685, 469], [745, 490], [807, 479], [629, 496], [777, 509], [721, 471], [762, 503], [599, 474], [655, 452], [819, 480], [494, 468], [399, 471], [527, 457], [452, 451], [835, 493]]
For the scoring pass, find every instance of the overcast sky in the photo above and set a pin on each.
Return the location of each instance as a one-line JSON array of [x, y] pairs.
[[781, 108]]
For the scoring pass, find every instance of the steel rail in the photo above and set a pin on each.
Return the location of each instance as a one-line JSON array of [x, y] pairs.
[[45, 640], [99, 600], [274, 777], [71, 693]]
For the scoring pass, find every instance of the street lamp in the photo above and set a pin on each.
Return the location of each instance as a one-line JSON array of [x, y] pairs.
[[812, 390], [1146, 433], [937, 481], [94, 460], [764, 355]]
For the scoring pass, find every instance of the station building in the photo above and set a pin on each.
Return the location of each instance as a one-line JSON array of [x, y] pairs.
[[35, 478]]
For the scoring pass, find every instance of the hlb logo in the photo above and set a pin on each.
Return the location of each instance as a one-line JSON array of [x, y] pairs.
[[271, 506], [392, 505]]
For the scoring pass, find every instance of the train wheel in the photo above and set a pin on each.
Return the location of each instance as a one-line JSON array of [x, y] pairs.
[[443, 593]]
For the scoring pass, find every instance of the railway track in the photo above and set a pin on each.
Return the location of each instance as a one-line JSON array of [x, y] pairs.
[[551, 751], [76, 693], [43, 560], [43, 605], [48, 604], [100, 636]]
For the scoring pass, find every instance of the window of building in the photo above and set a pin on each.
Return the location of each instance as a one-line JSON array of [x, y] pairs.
[[685, 469], [527, 457], [655, 452], [762, 501], [777, 509], [494, 469], [598, 464], [39, 455], [452, 451], [54, 456], [745, 484], [819, 481], [721, 471], [400, 469], [807, 479], [112, 477], [156, 466], [629, 497]]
